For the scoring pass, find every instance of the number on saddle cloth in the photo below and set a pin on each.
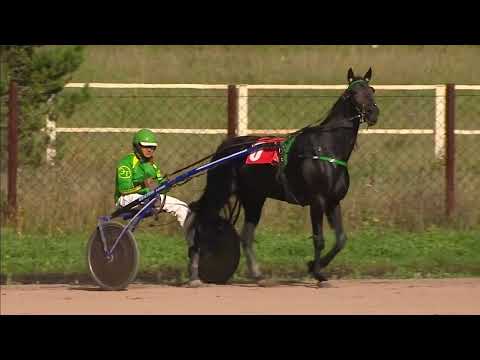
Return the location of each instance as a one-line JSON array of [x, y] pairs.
[[265, 156]]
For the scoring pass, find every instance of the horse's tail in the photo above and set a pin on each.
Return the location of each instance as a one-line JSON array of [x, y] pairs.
[[219, 188], [221, 185]]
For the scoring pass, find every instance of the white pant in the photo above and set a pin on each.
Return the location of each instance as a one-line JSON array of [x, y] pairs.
[[172, 205]]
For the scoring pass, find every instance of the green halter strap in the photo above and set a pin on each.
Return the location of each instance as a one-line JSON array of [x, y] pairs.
[[356, 82]]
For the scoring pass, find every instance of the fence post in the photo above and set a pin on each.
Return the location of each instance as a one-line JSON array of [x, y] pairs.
[[242, 110], [12, 152], [237, 110], [450, 151], [232, 111], [51, 130], [440, 117]]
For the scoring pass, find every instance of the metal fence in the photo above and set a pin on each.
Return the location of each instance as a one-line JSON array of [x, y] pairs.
[[398, 170]]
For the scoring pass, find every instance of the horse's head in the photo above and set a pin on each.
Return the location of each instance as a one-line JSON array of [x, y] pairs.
[[362, 96]]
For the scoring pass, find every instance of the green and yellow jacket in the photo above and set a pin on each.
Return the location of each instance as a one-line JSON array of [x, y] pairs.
[[131, 173]]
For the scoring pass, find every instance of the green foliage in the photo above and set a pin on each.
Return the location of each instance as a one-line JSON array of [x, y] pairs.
[[370, 252], [41, 74]]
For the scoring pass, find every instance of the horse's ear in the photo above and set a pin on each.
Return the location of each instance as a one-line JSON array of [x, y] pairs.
[[350, 75], [368, 75]]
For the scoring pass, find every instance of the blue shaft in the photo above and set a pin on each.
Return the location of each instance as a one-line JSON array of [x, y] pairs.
[[138, 216], [197, 170]]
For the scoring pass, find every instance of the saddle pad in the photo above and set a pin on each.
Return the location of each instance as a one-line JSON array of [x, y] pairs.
[[265, 156]]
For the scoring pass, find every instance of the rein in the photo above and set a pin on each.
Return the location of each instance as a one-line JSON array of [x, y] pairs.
[[345, 123], [208, 157]]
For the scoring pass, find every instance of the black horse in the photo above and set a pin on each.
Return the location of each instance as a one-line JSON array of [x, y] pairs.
[[315, 174]]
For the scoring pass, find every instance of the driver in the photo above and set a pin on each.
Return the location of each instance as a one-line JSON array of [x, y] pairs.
[[137, 174]]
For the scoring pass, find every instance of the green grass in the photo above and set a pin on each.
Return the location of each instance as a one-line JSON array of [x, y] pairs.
[[279, 64], [370, 252]]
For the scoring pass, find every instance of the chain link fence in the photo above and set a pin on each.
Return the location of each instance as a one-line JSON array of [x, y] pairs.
[[467, 157], [397, 178]]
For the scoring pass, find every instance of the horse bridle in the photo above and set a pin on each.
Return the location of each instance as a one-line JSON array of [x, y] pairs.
[[361, 111]]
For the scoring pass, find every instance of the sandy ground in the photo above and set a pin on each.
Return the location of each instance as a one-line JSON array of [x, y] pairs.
[[425, 296]]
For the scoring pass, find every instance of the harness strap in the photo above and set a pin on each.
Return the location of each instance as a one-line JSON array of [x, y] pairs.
[[325, 158], [330, 160], [284, 148], [357, 82]]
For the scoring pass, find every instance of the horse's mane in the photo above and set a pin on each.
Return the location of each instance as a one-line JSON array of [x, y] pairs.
[[335, 109]]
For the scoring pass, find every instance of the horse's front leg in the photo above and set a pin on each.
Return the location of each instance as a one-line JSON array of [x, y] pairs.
[[334, 216], [316, 217]]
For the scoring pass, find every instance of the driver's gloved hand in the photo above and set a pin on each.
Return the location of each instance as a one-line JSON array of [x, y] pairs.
[[158, 206], [150, 183]]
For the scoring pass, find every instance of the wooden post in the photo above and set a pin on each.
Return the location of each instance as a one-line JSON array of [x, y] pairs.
[[237, 110], [12, 152], [51, 129], [242, 108], [440, 119], [232, 111], [450, 150]]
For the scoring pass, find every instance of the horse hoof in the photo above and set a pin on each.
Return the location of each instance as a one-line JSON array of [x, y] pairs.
[[324, 284], [320, 277], [195, 283], [256, 276], [265, 283]]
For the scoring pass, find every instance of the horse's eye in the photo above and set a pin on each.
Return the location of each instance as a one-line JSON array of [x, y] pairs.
[[373, 90]]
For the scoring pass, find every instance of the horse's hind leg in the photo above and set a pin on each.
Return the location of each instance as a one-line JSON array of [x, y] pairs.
[[253, 210], [194, 259], [247, 237], [334, 216], [316, 217], [193, 251]]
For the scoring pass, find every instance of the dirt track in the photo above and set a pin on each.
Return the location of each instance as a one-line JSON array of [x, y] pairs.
[[442, 296]]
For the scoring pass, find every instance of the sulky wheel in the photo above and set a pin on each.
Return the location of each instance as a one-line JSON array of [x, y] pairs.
[[219, 252], [118, 271]]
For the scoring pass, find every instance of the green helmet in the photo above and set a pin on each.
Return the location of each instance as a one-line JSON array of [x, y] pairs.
[[144, 137]]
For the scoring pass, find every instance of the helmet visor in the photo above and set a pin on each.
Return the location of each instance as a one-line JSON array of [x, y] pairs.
[[149, 144]]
